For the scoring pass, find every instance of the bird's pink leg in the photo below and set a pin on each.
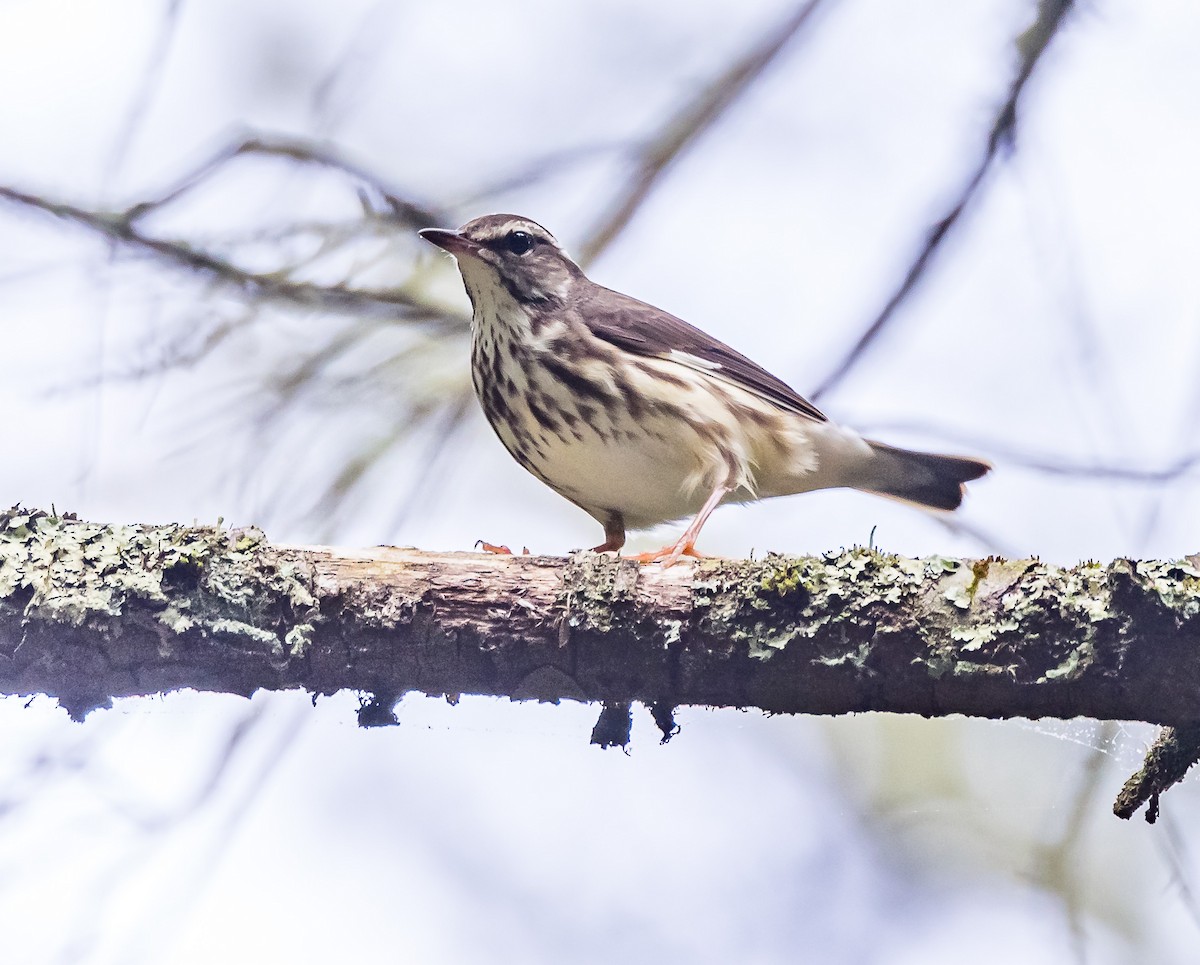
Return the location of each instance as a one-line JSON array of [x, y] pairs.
[[686, 544]]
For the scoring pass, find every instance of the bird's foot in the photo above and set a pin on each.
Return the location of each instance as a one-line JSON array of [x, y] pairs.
[[498, 550], [670, 555]]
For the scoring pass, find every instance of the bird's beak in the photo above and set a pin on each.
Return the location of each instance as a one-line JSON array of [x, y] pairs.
[[451, 241]]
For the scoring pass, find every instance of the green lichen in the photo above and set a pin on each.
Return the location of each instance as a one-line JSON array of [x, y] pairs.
[[959, 594], [62, 570], [1004, 603], [841, 576], [766, 606], [1076, 661], [962, 594], [976, 637], [953, 617], [856, 657], [1086, 591], [1175, 582], [598, 589], [299, 638], [672, 632]]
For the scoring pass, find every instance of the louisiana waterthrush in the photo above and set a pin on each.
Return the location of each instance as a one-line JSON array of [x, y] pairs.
[[636, 416]]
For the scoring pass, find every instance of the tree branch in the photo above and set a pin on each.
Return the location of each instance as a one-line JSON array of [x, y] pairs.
[[125, 228], [1031, 45], [1175, 750], [89, 612], [404, 209], [692, 121]]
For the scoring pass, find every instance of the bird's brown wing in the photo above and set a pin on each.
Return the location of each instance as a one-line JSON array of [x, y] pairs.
[[642, 329]]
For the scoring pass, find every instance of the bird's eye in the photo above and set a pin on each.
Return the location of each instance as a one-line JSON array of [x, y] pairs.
[[518, 242]]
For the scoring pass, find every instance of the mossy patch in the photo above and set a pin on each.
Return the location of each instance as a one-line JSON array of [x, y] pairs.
[[766, 605], [206, 579]]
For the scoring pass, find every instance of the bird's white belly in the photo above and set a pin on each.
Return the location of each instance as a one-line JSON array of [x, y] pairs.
[[657, 464], [645, 468], [646, 479], [665, 470]]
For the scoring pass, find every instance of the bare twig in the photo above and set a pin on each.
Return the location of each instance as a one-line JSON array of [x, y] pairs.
[[121, 227], [683, 130], [961, 526], [1031, 45], [1167, 761], [1156, 476], [406, 210], [537, 169], [147, 87]]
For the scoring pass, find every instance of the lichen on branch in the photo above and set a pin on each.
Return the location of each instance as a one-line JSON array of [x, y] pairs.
[[89, 612]]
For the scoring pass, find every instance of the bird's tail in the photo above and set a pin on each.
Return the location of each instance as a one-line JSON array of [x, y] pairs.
[[923, 478]]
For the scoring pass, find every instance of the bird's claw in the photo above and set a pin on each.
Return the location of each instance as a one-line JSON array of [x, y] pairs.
[[498, 550], [669, 555]]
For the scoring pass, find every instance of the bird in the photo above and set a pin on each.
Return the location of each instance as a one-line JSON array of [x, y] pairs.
[[638, 417]]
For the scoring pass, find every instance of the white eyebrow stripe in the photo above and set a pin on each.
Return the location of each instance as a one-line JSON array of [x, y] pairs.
[[535, 231]]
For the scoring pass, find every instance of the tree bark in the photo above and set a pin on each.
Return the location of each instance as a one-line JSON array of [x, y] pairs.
[[89, 612]]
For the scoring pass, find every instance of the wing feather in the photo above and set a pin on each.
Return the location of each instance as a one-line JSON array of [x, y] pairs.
[[642, 329]]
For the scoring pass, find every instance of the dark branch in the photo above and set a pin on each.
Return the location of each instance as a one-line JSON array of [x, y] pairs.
[[147, 87], [410, 213], [1031, 45], [855, 630], [121, 227], [90, 612], [1168, 760], [693, 120]]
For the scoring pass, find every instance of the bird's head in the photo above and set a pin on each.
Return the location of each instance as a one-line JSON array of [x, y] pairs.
[[513, 252]]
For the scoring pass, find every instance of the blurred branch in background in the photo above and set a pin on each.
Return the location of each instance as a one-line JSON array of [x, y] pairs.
[[149, 86], [1031, 45], [216, 802], [406, 211], [124, 227], [1056, 861], [652, 162], [396, 338]]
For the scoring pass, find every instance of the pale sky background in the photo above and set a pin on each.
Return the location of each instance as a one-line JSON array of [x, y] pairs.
[[1061, 324]]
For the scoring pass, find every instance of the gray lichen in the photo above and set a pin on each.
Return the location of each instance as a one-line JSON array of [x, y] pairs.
[[88, 610], [767, 605], [1176, 583], [597, 591], [1026, 620], [192, 579]]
